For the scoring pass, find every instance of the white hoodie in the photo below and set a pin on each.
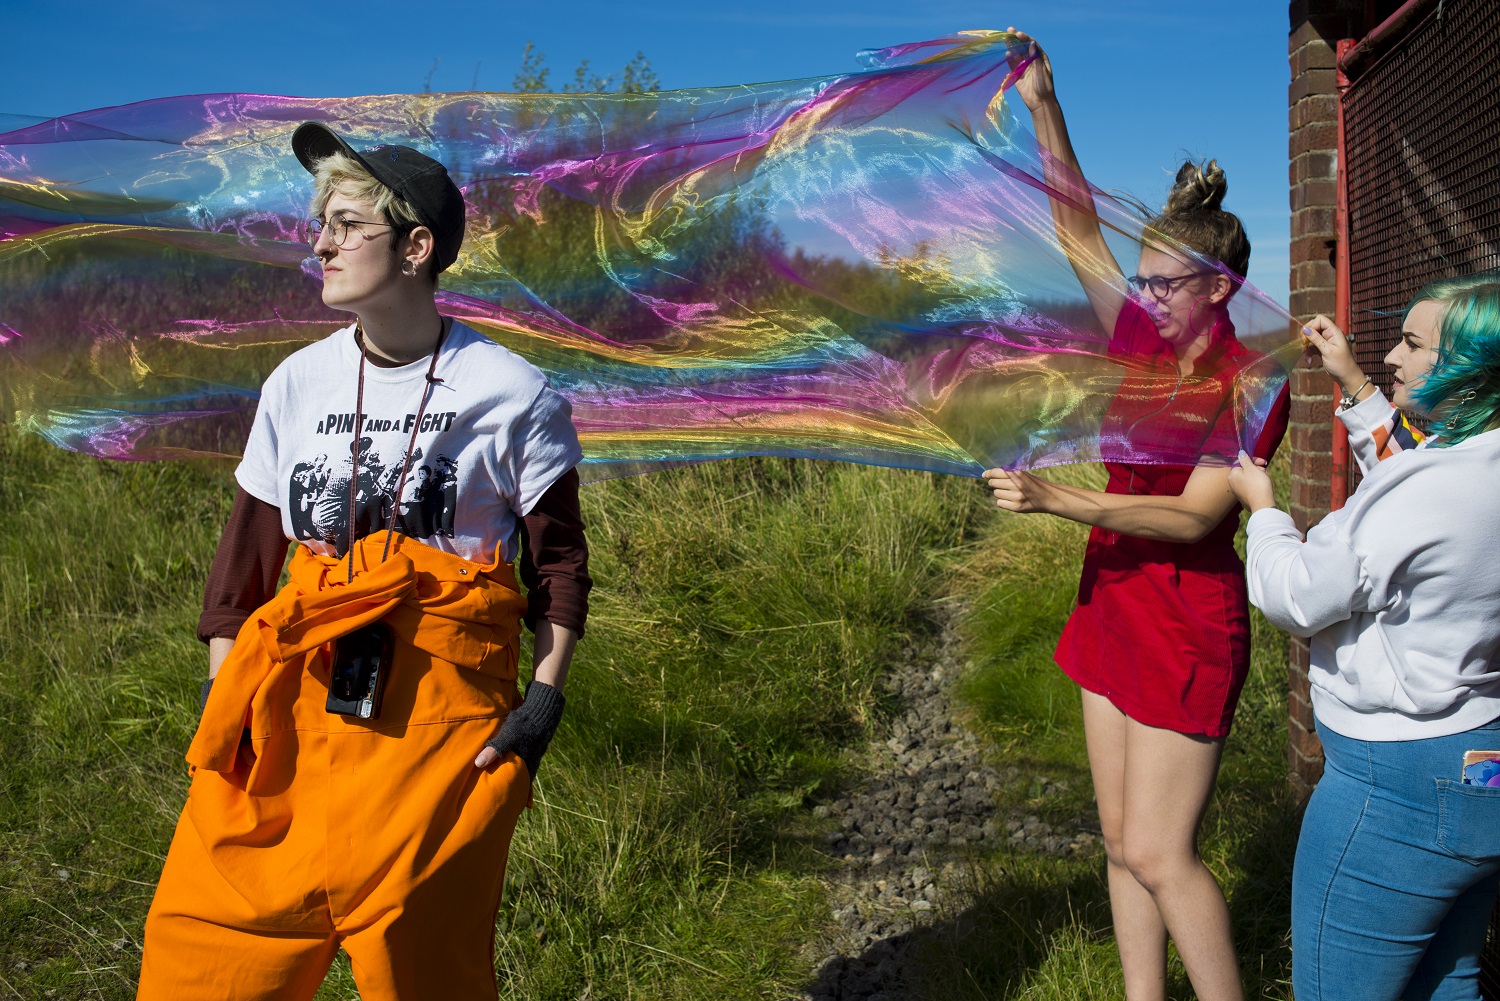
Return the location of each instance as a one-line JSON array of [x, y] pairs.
[[1399, 590]]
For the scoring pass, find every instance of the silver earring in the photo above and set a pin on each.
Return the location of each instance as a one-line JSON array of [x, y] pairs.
[[409, 268]]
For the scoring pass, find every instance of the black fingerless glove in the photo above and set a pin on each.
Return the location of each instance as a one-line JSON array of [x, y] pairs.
[[203, 698], [530, 726]]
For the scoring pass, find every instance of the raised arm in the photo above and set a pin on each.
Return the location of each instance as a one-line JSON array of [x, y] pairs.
[[1074, 213], [1376, 430]]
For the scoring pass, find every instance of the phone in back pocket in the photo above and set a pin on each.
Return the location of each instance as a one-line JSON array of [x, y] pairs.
[[1482, 768]]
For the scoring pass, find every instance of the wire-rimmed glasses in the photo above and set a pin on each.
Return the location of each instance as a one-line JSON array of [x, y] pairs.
[[339, 228]]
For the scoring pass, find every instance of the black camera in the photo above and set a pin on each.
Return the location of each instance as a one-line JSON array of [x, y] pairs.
[[361, 661]]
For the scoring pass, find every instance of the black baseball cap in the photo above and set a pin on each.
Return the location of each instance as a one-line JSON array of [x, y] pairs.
[[419, 179]]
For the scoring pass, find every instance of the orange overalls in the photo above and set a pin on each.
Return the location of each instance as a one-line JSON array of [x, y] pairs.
[[305, 831]]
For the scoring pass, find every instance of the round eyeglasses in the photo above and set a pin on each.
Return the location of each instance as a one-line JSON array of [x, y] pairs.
[[339, 228], [1160, 285]]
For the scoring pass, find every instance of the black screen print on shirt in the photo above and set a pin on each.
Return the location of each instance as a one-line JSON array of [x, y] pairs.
[[318, 494]]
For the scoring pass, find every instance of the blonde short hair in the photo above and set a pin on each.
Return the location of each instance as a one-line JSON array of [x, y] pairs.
[[344, 174], [341, 173]]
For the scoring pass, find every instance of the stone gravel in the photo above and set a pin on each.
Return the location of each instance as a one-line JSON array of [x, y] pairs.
[[927, 800]]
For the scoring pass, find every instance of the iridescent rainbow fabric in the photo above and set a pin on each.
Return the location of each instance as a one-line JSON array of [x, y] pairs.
[[859, 267]]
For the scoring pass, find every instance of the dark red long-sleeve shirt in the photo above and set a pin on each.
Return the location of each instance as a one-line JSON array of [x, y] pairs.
[[253, 548]]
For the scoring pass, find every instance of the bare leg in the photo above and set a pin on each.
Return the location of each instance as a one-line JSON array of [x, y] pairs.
[[1140, 932], [1169, 778]]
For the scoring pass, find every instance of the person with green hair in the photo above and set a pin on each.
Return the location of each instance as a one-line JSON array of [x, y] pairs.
[[1398, 861]]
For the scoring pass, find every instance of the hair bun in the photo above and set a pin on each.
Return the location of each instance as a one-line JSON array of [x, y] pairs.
[[1197, 189]]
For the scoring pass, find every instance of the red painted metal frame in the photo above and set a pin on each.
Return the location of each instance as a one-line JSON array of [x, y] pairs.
[[1338, 486], [1351, 57]]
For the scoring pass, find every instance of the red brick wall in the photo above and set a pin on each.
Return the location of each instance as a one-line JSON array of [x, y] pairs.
[[1316, 27]]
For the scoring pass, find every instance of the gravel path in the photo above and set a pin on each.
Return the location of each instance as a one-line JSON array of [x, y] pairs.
[[928, 800]]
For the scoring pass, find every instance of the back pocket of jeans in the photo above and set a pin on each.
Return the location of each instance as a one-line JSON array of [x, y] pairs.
[[1469, 820]]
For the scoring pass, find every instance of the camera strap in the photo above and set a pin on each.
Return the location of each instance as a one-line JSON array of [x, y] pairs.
[[411, 444]]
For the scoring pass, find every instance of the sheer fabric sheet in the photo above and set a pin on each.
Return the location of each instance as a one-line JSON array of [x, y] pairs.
[[859, 267]]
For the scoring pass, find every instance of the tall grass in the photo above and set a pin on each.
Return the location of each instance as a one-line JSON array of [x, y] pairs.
[[744, 612], [100, 570], [742, 615]]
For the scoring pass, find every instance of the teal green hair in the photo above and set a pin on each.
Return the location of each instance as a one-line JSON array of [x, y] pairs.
[[1468, 357]]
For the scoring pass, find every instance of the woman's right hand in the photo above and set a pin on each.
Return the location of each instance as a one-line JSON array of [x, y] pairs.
[[1251, 484], [1035, 82], [1016, 491], [1324, 337]]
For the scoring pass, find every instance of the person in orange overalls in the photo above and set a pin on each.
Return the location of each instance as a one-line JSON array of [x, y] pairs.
[[364, 752]]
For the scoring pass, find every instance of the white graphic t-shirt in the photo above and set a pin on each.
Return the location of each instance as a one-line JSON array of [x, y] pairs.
[[493, 438]]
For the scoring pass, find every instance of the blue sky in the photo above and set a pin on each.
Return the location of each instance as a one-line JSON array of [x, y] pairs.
[[1143, 83]]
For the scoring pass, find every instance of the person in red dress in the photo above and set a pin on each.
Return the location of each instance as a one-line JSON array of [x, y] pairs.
[[1160, 639]]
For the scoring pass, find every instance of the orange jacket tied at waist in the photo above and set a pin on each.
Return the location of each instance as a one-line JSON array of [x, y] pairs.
[[442, 605]]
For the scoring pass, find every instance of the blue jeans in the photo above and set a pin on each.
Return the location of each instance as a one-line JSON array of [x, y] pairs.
[[1397, 869]]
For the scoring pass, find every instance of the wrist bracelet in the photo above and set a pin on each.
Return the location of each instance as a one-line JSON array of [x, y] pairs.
[[1352, 399]]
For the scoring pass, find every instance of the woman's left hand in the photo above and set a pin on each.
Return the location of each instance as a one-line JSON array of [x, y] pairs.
[[1016, 491], [1252, 484], [527, 730], [1035, 82]]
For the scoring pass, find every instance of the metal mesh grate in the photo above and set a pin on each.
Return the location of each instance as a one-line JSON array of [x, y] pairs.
[[1422, 137], [1422, 134]]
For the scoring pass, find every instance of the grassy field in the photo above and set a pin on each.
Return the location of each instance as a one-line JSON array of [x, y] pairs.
[[742, 616]]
